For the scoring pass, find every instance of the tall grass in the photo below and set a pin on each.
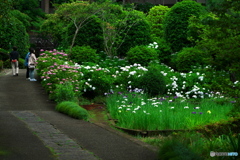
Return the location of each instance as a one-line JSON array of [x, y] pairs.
[[137, 111]]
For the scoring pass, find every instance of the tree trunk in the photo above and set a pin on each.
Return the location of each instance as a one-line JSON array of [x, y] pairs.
[[73, 40]]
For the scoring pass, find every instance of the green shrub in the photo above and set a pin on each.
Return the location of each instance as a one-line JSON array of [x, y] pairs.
[[152, 82], [64, 92], [187, 58], [99, 80], [155, 17], [138, 34], [72, 109], [128, 76], [141, 55], [176, 23], [164, 51], [10, 34], [81, 54]]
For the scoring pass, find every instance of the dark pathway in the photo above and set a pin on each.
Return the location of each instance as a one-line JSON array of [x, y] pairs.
[[30, 129]]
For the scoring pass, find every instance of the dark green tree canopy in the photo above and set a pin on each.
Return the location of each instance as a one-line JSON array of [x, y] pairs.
[[30, 8], [176, 23], [12, 28]]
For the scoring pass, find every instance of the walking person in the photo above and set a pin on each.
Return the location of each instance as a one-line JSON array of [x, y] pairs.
[[14, 56], [32, 61], [26, 64]]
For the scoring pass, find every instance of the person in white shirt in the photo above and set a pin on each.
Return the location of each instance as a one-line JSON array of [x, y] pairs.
[[32, 61]]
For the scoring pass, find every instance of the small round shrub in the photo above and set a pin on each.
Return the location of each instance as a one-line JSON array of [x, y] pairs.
[[152, 82], [141, 55], [187, 58], [72, 109], [81, 54]]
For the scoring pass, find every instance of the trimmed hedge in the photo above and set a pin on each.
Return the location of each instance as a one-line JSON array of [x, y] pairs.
[[73, 110]]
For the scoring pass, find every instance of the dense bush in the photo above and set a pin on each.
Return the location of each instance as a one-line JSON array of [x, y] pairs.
[[176, 23], [126, 77], [164, 51], [155, 17], [53, 69], [187, 58], [60, 25], [141, 55], [98, 79], [138, 34], [81, 54], [65, 92], [152, 82], [72, 109]]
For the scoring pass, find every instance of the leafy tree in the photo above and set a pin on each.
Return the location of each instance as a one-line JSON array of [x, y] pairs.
[[78, 13], [55, 27], [12, 30], [155, 17], [221, 36], [31, 9], [115, 27], [70, 20], [138, 32], [90, 34], [25, 19], [176, 23], [110, 17]]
